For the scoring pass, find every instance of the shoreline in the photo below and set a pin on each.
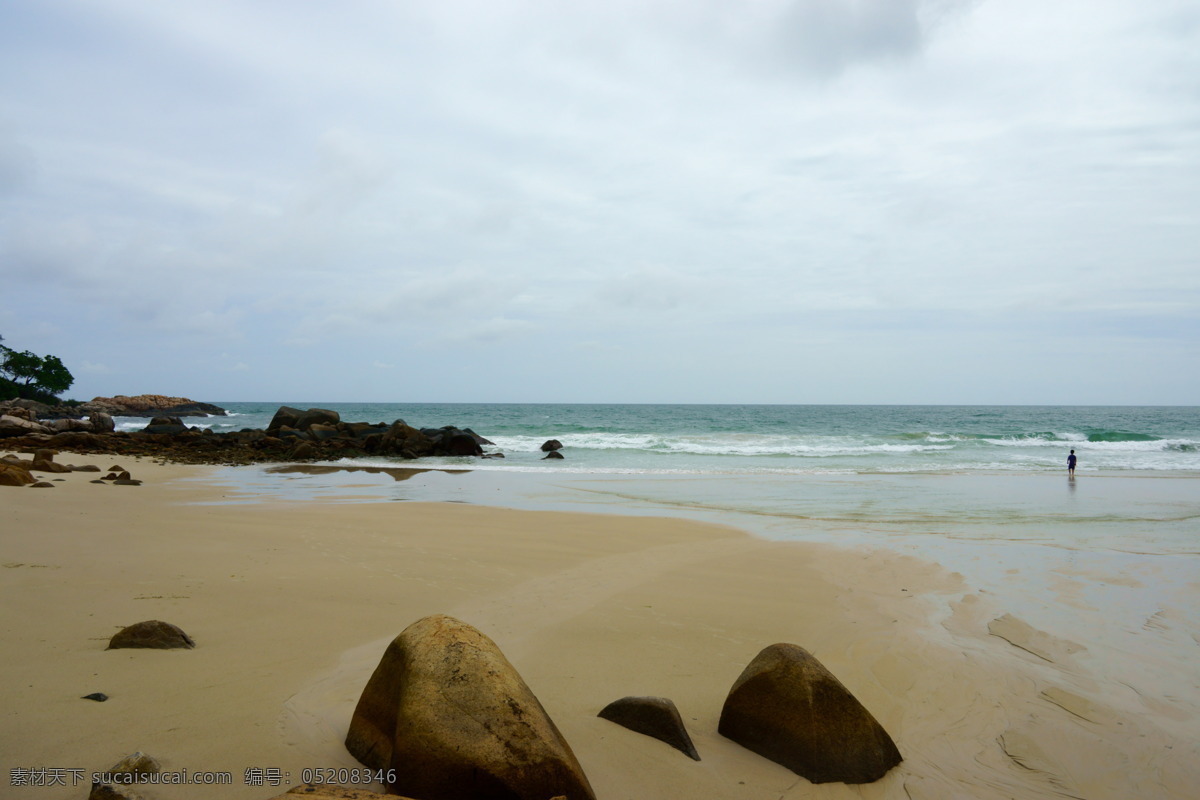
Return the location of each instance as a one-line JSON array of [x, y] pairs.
[[291, 605]]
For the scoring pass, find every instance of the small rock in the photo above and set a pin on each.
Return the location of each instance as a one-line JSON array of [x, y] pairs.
[[99, 697], [654, 716], [42, 485], [126, 482], [122, 788], [153, 634], [553, 454]]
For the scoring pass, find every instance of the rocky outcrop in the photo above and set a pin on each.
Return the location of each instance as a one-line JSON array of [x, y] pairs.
[[787, 707], [653, 716], [450, 715], [328, 437], [151, 405], [152, 634]]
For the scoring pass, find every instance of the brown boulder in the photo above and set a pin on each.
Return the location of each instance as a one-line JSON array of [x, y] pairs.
[[122, 778], [11, 475], [551, 445], [450, 715], [16, 426], [101, 422], [153, 634], [317, 416], [787, 707], [653, 716]]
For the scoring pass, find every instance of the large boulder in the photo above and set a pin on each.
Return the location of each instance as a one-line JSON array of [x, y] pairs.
[[152, 634], [447, 712], [18, 426], [652, 716], [787, 707], [101, 422], [551, 445], [457, 442], [12, 475], [285, 417]]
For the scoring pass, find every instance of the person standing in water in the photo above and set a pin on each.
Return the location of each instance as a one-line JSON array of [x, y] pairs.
[[1071, 464]]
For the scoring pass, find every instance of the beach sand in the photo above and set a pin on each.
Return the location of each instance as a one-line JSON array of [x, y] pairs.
[[292, 604]]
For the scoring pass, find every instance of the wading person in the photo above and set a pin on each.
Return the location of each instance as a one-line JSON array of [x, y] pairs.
[[1071, 464]]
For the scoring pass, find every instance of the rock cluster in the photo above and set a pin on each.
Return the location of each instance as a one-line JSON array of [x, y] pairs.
[[151, 405], [16, 471], [293, 435]]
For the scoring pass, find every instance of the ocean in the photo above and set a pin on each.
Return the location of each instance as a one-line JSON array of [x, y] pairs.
[[783, 440]]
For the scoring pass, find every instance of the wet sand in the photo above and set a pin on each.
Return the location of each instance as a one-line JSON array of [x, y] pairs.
[[292, 603]]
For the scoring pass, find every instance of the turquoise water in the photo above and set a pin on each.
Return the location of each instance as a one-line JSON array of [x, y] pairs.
[[750, 439]]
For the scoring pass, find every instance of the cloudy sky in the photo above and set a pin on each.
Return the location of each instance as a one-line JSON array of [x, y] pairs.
[[769, 201]]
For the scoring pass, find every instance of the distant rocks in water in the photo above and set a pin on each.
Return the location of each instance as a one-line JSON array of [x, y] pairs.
[[152, 634], [451, 716], [553, 454], [653, 716], [151, 405], [786, 706], [550, 445]]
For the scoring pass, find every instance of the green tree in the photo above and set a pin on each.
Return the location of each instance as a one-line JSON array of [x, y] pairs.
[[26, 374]]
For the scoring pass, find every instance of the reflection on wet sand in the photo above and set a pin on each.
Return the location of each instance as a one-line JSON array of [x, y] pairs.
[[397, 473]]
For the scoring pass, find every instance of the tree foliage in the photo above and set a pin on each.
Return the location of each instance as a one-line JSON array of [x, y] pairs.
[[28, 375]]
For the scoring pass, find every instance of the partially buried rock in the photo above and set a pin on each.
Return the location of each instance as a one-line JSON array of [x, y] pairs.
[[99, 697], [118, 782], [152, 634], [42, 485], [553, 454], [653, 716], [787, 707], [447, 712]]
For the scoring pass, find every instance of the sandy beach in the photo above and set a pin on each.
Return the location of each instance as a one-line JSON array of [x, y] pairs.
[[291, 606]]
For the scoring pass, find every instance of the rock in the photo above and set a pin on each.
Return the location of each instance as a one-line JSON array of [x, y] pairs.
[[149, 405], [460, 443], [101, 422], [42, 465], [787, 707], [553, 454], [99, 697], [119, 784], [317, 416], [304, 450], [126, 482], [44, 454], [654, 716], [452, 717], [551, 445], [11, 475], [285, 417], [321, 431], [116, 468], [42, 485], [15, 426], [154, 634], [84, 468], [65, 424]]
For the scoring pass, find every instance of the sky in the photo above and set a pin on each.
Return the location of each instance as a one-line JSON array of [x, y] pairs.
[[768, 201]]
